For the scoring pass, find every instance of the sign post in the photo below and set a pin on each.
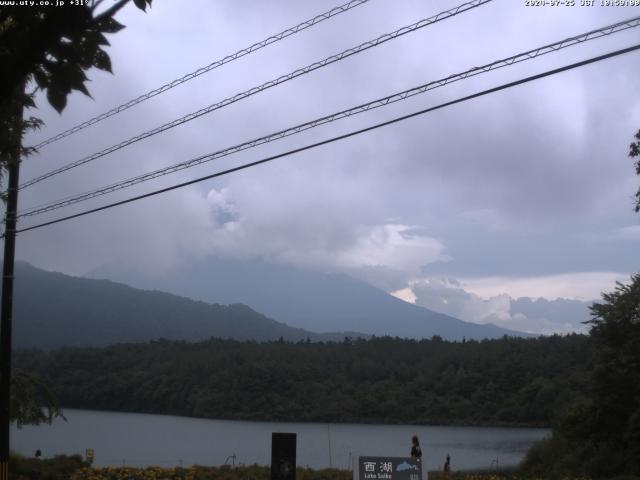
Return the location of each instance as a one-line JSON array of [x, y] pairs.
[[283, 456], [388, 468]]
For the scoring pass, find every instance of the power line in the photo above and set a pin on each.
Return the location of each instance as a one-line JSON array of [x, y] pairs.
[[272, 83], [212, 66], [396, 97], [340, 137]]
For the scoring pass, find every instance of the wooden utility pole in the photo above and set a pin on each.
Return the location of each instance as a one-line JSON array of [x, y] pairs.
[[6, 309]]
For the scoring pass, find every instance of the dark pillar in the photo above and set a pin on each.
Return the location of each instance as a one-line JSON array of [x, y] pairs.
[[283, 456], [6, 309]]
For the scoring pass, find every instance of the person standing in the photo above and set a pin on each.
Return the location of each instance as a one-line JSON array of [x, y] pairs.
[[447, 464], [416, 451], [416, 454]]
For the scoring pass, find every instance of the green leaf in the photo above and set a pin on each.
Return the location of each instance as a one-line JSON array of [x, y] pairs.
[[42, 79], [28, 101], [93, 38], [142, 4], [110, 25], [81, 87], [57, 98], [102, 61]]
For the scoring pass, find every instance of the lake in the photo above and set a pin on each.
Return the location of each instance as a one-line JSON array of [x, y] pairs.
[[139, 439]]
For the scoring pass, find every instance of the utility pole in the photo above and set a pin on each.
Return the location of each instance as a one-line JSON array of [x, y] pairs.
[[6, 309]]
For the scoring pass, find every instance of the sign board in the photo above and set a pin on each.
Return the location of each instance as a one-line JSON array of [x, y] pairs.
[[389, 468]]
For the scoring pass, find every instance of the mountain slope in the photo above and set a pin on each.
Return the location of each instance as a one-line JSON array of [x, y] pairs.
[[306, 299], [53, 310]]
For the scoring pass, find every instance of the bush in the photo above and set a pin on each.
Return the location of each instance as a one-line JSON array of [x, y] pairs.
[[60, 467], [197, 472]]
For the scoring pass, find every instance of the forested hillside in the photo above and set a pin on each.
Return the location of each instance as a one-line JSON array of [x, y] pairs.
[[509, 381], [53, 310]]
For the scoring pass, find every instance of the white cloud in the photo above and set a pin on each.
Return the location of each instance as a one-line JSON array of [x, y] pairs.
[[314, 241], [399, 247], [629, 233], [153, 240], [579, 285], [446, 295]]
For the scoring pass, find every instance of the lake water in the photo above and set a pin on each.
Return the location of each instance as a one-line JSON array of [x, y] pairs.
[[139, 440]]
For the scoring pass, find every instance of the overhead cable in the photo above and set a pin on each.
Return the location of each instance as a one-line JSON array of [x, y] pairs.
[[272, 83], [212, 66], [338, 138], [396, 97]]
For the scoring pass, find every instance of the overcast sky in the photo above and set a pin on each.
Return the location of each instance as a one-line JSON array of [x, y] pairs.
[[526, 192]]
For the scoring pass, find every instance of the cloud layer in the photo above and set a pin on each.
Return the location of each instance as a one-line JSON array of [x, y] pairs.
[[541, 316], [524, 193]]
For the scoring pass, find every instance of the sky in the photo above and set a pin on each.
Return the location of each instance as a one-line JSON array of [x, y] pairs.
[[527, 192]]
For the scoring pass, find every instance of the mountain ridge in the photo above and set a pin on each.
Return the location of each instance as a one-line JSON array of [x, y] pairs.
[[302, 298], [53, 310]]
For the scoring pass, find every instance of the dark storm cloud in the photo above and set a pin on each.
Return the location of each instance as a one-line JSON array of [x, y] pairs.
[[518, 183]]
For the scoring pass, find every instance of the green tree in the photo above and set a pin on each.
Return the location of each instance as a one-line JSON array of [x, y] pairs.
[[28, 397], [598, 435], [634, 151], [615, 409], [46, 48]]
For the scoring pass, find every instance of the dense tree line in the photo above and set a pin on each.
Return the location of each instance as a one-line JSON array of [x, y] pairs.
[[510, 381], [598, 436]]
